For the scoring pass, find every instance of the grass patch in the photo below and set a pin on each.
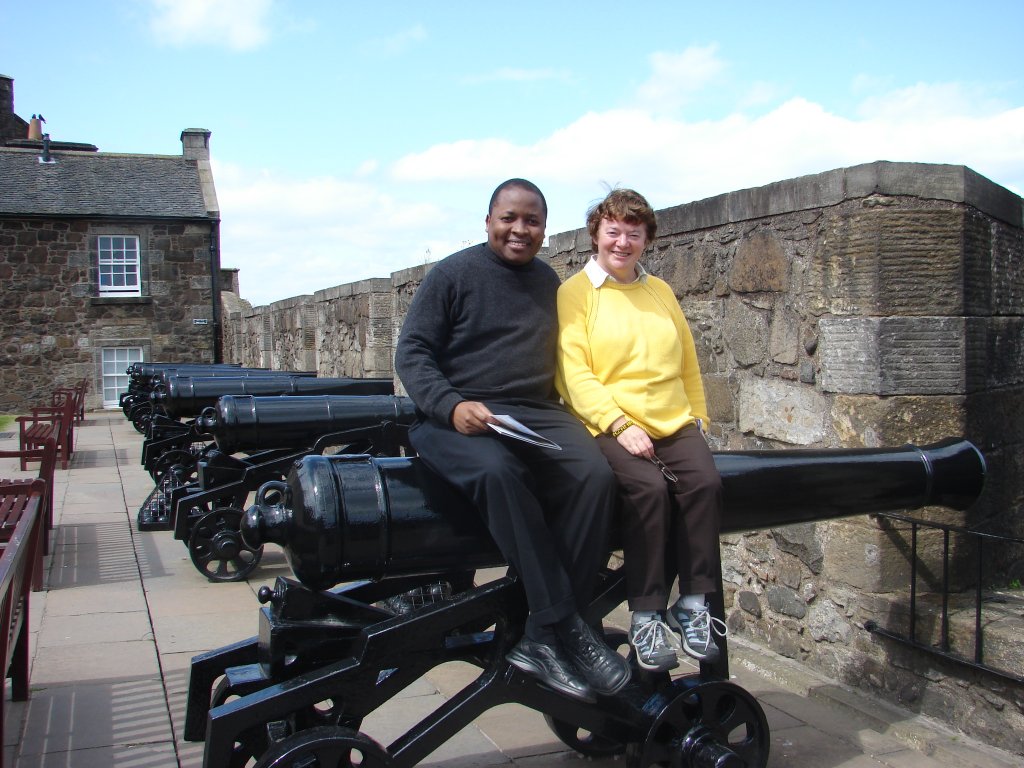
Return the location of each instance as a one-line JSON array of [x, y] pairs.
[[6, 422]]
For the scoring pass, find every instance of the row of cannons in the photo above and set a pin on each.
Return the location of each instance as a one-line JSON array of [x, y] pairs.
[[216, 433], [370, 524]]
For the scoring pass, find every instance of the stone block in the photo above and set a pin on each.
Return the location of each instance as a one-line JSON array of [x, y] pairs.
[[688, 269], [871, 558], [893, 355], [873, 422], [759, 265], [784, 338], [780, 410], [749, 602], [785, 601], [801, 541], [746, 332]]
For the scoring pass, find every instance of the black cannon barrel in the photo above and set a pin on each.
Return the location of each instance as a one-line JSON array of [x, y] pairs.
[[190, 396], [162, 378], [148, 369], [342, 518], [142, 374], [247, 423]]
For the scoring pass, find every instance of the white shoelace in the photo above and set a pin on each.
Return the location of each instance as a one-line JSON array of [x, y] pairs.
[[704, 623], [647, 636]]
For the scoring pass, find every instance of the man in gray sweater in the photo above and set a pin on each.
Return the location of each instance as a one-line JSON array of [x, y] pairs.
[[479, 340]]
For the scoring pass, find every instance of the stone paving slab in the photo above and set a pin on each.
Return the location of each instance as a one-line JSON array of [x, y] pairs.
[[103, 714], [94, 662], [160, 755]]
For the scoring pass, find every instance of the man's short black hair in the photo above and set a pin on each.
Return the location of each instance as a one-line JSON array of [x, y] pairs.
[[529, 186]]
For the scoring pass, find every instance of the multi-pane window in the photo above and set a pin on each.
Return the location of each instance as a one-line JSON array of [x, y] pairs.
[[119, 265], [115, 362]]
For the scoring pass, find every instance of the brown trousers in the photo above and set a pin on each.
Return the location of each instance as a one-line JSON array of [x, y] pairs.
[[668, 528]]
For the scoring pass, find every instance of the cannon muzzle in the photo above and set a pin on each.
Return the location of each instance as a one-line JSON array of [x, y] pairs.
[[342, 518], [247, 423]]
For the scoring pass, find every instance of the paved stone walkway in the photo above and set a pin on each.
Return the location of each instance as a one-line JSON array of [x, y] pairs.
[[123, 613]]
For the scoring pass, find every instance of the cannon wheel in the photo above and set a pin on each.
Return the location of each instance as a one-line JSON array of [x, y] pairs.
[[251, 743], [173, 457], [703, 724], [326, 746], [217, 549], [588, 743], [140, 417]]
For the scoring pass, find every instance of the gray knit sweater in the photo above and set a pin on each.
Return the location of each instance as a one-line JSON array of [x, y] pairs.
[[480, 329]]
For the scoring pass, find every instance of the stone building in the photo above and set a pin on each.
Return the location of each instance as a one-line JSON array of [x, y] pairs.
[[869, 306], [105, 258]]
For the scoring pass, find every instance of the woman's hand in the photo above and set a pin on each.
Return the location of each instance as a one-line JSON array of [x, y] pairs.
[[634, 439], [471, 417]]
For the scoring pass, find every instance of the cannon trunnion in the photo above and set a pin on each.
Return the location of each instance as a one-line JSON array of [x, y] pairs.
[[323, 660]]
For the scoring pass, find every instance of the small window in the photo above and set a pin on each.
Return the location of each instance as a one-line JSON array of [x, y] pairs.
[[119, 265], [115, 362]]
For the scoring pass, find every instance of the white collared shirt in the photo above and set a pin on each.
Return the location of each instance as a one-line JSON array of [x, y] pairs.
[[595, 272]]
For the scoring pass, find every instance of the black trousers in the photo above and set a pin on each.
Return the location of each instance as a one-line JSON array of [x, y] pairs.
[[548, 511], [668, 528]]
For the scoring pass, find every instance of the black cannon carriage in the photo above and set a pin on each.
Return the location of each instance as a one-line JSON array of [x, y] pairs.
[[204, 508], [323, 660]]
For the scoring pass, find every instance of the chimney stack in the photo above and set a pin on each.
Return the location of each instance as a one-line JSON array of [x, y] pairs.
[[6, 95], [195, 144]]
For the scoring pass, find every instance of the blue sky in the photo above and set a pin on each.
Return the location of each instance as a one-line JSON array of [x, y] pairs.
[[350, 140]]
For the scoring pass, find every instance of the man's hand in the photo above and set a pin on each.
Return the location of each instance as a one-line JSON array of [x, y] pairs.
[[471, 418]]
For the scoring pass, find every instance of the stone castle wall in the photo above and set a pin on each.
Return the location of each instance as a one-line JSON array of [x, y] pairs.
[[864, 307]]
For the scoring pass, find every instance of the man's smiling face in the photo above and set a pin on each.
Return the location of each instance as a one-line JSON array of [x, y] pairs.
[[515, 225]]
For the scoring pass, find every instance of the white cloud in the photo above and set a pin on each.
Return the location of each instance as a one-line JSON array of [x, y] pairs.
[[676, 77], [294, 236], [240, 24], [695, 159], [928, 101], [386, 219]]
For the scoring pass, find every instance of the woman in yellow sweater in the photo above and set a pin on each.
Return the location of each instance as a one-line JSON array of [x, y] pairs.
[[628, 369]]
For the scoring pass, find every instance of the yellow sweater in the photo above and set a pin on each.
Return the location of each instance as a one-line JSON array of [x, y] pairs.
[[626, 350]]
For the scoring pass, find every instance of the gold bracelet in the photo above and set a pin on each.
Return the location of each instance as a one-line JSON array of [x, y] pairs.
[[625, 425]]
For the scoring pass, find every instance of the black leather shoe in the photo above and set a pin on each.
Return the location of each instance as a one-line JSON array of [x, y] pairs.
[[603, 668], [548, 664]]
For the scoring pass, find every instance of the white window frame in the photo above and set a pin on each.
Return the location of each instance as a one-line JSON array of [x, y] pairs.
[[119, 265], [114, 362]]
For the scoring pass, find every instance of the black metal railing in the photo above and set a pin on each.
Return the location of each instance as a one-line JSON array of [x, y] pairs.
[[983, 544]]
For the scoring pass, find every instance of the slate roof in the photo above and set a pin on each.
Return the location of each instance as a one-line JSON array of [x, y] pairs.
[[99, 184]]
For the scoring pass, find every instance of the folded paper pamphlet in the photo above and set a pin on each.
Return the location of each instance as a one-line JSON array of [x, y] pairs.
[[512, 428]]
